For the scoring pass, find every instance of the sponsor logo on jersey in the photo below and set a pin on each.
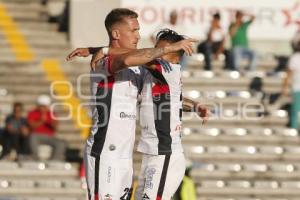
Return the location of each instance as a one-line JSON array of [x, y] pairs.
[[124, 115], [149, 178]]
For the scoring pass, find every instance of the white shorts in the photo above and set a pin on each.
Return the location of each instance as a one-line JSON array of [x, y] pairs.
[[108, 178], [160, 176]]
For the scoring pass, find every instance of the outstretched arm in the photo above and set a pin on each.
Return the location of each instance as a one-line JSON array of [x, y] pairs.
[[82, 52], [97, 54], [144, 56], [123, 58]]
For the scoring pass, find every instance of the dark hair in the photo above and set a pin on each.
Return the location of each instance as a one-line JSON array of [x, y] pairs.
[[117, 15], [217, 16], [17, 104], [169, 36], [238, 13]]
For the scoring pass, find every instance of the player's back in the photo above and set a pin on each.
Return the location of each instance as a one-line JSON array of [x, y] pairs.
[[161, 110]]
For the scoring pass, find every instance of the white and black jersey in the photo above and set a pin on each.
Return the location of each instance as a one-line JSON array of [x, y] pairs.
[[161, 110], [114, 110], [109, 149]]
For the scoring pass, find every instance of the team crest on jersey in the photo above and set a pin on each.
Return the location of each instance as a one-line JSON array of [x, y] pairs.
[[108, 197]]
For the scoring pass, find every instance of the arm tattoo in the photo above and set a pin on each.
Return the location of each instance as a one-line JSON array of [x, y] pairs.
[[150, 53]]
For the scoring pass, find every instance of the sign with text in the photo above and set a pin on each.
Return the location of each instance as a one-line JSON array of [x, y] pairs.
[[275, 19]]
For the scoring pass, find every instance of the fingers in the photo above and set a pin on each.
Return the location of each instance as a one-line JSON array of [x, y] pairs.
[[187, 49], [96, 57], [73, 54], [193, 40], [80, 52], [93, 65], [204, 114], [94, 62], [188, 46]]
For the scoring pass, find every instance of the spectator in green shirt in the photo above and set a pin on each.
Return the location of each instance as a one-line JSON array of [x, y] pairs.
[[239, 41]]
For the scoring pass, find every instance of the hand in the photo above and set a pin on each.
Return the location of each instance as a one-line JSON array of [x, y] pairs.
[[203, 112], [96, 57], [80, 52], [216, 56], [25, 131], [185, 45]]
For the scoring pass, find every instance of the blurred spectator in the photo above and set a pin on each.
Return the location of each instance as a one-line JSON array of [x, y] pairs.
[[281, 64], [293, 72], [213, 46], [296, 39], [55, 9], [63, 19], [16, 134], [171, 24], [187, 188], [256, 88], [43, 128], [239, 41]]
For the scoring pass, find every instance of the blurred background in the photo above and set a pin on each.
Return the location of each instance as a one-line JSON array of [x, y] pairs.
[[246, 68]]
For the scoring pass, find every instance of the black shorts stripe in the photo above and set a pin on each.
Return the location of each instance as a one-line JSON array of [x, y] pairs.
[[97, 171], [104, 96], [89, 193], [163, 178], [162, 114], [180, 111]]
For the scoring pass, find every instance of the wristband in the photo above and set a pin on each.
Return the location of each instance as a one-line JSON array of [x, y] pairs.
[[105, 50]]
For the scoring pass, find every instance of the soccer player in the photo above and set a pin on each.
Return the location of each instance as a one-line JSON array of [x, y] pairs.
[[108, 153], [160, 113], [163, 164]]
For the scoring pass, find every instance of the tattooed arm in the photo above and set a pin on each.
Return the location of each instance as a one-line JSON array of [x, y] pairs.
[[122, 58], [136, 57], [145, 56]]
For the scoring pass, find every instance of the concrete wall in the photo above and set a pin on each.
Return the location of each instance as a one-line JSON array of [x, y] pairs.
[[87, 21]]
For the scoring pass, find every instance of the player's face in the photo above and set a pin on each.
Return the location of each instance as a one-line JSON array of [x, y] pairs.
[[170, 57], [129, 33]]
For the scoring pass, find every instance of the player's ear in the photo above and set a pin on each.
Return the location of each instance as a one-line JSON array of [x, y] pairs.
[[115, 33]]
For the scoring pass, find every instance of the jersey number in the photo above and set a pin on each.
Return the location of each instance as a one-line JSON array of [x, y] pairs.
[[127, 194]]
